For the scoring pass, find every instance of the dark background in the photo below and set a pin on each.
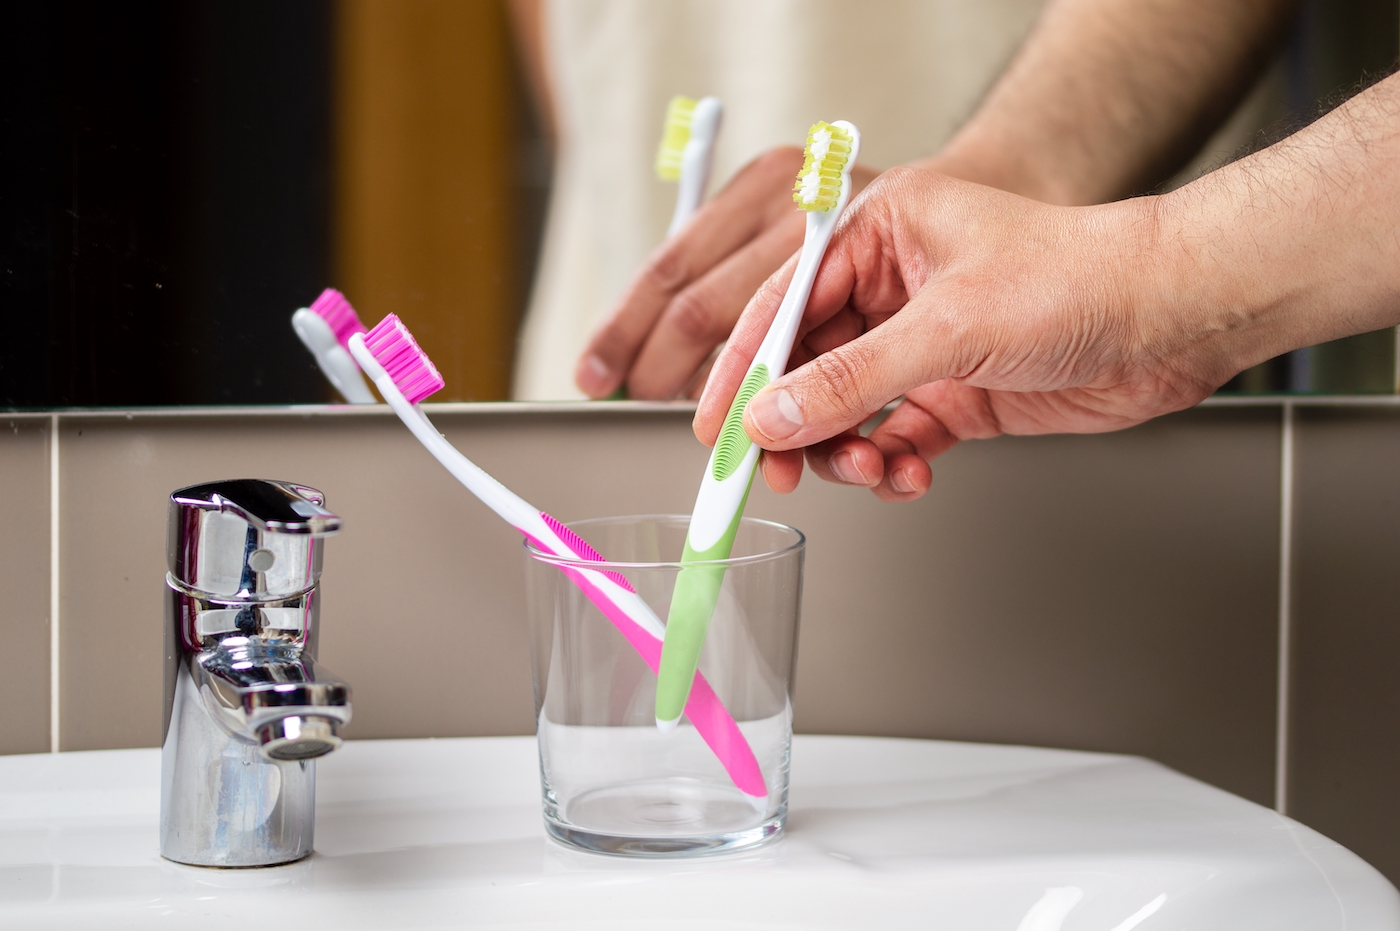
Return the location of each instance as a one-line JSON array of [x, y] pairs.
[[165, 200]]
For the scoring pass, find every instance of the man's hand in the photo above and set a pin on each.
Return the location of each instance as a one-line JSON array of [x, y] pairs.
[[987, 312], [990, 313]]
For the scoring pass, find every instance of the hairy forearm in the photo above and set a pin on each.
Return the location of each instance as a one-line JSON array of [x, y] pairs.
[[1108, 96], [1292, 246]]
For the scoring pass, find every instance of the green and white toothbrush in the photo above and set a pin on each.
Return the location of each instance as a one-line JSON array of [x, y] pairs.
[[823, 188]]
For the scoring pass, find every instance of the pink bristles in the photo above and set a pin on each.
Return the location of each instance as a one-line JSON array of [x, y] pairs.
[[394, 348], [333, 308]]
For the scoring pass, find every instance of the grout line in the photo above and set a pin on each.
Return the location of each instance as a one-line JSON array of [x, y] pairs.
[[495, 408], [54, 664], [1395, 366], [1285, 611]]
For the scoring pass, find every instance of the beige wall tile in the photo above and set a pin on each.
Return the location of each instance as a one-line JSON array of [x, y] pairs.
[[1111, 592], [1114, 592], [1345, 744], [24, 582]]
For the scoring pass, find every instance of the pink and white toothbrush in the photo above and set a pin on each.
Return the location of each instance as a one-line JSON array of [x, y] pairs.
[[405, 375]]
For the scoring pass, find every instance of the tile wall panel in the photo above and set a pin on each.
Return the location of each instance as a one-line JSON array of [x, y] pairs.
[[1344, 778], [24, 582], [1113, 592]]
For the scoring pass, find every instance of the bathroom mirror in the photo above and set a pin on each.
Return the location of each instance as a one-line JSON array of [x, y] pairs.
[[179, 175]]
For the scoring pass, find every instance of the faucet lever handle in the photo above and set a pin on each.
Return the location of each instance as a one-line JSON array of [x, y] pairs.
[[276, 507], [248, 539]]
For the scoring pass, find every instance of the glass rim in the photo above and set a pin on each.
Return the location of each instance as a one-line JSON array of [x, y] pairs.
[[608, 564]]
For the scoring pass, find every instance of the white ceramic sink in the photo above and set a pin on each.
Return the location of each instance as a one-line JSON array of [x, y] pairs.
[[883, 834]]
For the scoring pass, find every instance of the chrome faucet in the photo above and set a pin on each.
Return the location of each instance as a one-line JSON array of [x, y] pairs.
[[247, 711]]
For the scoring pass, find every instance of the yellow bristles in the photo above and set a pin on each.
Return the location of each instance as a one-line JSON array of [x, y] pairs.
[[818, 184], [674, 135]]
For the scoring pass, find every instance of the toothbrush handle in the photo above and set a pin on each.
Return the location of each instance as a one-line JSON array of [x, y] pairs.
[[713, 524], [688, 622], [724, 491]]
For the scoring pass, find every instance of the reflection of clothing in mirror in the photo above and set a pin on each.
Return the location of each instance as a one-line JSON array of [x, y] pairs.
[[907, 72]]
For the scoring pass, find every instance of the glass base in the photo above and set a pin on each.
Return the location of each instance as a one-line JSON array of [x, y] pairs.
[[664, 819]]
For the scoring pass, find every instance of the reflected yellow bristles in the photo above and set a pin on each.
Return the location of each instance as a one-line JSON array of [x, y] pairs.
[[675, 133], [818, 186]]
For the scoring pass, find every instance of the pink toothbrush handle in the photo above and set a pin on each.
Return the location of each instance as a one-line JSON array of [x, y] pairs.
[[712, 721]]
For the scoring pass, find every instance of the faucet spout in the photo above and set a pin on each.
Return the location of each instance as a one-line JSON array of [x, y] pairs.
[[272, 693]]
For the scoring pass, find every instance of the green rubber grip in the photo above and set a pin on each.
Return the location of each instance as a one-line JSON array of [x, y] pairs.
[[733, 442], [687, 624]]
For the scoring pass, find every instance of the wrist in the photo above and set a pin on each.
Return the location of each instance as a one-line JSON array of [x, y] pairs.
[[1198, 305]]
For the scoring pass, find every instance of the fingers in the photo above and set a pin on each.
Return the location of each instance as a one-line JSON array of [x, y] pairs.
[[756, 198], [847, 384], [702, 315], [911, 436], [782, 471], [847, 459], [893, 461]]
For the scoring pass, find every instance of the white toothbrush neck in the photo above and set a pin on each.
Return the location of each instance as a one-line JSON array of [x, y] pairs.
[[695, 177], [340, 370], [514, 509], [777, 343], [335, 363]]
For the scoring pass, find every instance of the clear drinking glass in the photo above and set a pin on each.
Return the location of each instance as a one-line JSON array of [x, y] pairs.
[[611, 782]]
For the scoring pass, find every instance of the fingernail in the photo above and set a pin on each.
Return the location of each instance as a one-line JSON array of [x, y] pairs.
[[844, 465], [594, 372], [899, 481], [776, 414]]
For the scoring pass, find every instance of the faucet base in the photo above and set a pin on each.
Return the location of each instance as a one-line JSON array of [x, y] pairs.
[[228, 866], [223, 803]]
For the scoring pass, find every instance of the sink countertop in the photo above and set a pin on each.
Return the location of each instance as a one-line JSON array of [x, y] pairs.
[[882, 833]]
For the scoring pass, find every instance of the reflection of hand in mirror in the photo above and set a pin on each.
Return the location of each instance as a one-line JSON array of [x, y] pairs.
[[685, 299]]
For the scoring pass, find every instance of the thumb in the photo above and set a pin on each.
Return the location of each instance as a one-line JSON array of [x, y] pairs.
[[842, 388]]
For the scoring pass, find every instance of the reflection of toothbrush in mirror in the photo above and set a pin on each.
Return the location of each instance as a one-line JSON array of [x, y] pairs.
[[685, 155], [325, 328], [687, 152], [405, 375], [823, 188]]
